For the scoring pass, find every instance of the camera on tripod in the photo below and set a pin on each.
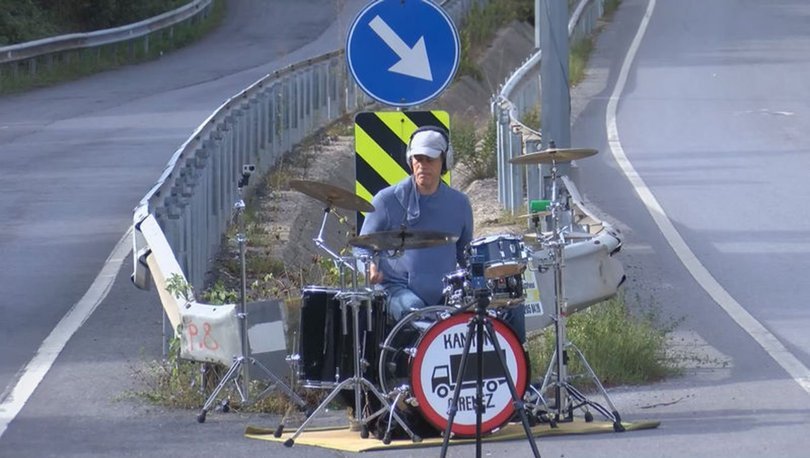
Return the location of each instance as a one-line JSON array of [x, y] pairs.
[[477, 278], [247, 170]]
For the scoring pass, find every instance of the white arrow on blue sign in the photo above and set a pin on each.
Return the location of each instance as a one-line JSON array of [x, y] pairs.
[[403, 52]]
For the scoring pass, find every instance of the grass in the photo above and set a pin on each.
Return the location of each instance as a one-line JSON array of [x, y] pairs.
[[622, 348]]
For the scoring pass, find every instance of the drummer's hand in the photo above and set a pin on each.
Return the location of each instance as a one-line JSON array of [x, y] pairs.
[[374, 275]]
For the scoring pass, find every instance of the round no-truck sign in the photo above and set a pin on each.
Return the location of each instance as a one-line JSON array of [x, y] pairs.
[[403, 52]]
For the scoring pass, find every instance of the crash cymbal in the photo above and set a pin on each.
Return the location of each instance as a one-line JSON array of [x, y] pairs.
[[333, 196], [537, 214], [401, 240], [549, 155]]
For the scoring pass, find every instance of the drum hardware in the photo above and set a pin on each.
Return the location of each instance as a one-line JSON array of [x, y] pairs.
[[356, 300], [332, 196], [533, 215], [351, 300], [479, 325], [239, 372], [567, 397]]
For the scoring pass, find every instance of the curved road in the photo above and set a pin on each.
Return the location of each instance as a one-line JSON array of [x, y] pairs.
[[712, 125], [712, 116]]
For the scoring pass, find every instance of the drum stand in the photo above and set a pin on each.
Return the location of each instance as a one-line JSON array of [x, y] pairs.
[[567, 397], [478, 324], [239, 372], [355, 299]]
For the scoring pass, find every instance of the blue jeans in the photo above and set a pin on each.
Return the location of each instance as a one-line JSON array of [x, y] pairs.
[[401, 301]]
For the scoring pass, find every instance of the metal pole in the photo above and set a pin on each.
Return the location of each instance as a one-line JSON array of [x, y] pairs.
[[555, 97]]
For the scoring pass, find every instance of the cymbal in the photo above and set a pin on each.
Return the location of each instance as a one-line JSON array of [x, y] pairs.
[[549, 155], [537, 214], [535, 236], [401, 240], [333, 196], [565, 234]]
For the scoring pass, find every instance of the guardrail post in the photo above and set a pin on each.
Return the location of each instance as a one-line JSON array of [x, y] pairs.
[[533, 179], [515, 150]]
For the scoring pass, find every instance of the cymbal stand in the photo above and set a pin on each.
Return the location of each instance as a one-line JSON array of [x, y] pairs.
[[239, 372], [567, 397], [480, 323], [321, 243], [355, 300]]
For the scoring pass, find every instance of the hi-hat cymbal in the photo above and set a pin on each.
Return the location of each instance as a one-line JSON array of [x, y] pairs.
[[549, 155], [333, 196], [565, 234], [401, 240], [537, 214]]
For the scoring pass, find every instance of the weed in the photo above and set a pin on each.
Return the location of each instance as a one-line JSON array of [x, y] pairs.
[[622, 348]]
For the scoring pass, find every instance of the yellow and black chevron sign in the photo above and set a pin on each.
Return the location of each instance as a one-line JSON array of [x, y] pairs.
[[380, 143]]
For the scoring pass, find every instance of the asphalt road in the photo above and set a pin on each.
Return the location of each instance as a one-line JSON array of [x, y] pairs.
[[713, 117]]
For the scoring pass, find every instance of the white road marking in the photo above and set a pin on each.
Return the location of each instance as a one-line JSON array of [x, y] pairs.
[[798, 371], [52, 346]]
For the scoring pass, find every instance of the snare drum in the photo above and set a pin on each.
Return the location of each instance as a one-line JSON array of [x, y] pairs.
[[326, 354], [503, 255]]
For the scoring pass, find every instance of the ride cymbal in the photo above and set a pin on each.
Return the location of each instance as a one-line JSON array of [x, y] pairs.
[[334, 196], [549, 155], [401, 240]]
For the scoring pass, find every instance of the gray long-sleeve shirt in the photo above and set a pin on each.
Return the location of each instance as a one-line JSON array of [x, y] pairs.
[[446, 210]]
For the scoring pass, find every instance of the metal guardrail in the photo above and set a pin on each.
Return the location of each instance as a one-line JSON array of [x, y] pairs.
[[519, 93], [192, 200], [26, 59]]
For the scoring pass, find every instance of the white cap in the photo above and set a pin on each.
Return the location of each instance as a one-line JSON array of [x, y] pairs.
[[428, 143]]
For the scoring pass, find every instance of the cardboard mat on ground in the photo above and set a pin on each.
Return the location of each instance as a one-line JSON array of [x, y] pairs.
[[341, 438]]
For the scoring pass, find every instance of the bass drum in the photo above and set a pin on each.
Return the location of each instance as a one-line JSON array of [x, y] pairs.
[[394, 364], [423, 354]]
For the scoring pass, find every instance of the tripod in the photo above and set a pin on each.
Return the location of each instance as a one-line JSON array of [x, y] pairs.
[[478, 325], [239, 371], [567, 397]]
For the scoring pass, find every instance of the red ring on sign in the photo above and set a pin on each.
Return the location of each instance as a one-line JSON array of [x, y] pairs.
[[438, 418]]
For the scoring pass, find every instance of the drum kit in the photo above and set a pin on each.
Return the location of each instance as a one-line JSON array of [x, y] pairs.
[[415, 373]]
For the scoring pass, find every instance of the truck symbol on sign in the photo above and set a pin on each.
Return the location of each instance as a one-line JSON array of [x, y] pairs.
[[442, 381]]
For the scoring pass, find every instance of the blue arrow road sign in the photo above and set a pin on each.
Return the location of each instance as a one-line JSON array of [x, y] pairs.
[[403, 52]]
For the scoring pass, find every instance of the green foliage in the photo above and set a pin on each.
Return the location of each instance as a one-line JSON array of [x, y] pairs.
[[173, 382], [26, 20], [531, 118], [23, 20], [474, 149], [480, 26], [620, 347], [219, 294], [177, 286], [611, 6], [578, 60], [70, 65]]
